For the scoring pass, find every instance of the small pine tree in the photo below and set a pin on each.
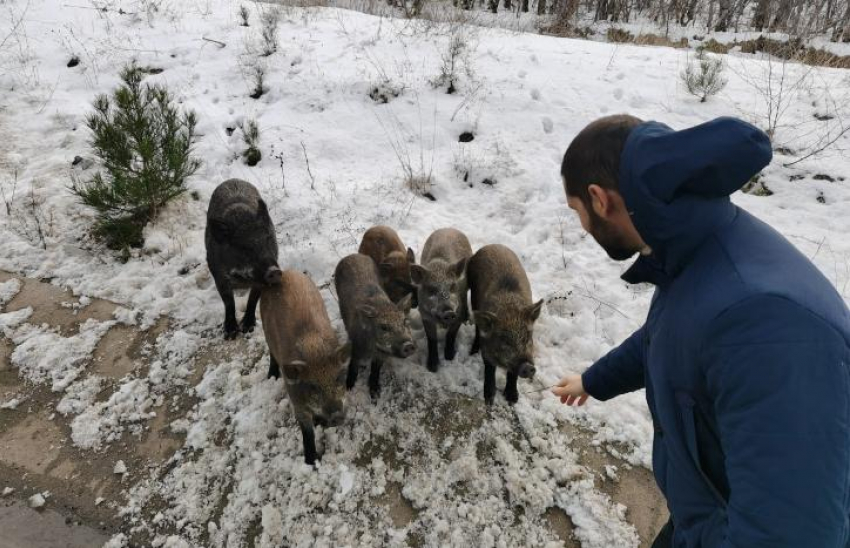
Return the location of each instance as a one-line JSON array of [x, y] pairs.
[[251, 136], [145, 145], [704, 78]]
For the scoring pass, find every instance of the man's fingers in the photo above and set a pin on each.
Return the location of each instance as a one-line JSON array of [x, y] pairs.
[[561, 391], [582, 400]]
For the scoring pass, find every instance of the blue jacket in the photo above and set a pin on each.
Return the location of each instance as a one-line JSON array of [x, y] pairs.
[[745, 353]]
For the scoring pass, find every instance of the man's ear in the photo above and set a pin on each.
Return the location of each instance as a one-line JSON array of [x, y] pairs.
[[294, 370], [600, 202], [484, 321]]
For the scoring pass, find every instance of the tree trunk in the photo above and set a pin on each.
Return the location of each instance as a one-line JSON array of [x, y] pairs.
[[541, 7], [761, 14]]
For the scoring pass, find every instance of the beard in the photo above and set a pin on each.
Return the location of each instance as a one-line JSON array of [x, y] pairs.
[[610, 238]]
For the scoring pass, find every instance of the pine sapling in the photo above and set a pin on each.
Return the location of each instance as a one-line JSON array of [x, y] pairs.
[[251, 136], [145, 145], [705, 77]]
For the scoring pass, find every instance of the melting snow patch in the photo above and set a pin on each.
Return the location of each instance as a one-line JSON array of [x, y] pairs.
[[44, 355], [8, 290], [120, 468], [10, 320], [38, 500]]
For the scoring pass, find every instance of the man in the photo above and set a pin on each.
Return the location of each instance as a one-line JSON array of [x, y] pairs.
[[745, 353]]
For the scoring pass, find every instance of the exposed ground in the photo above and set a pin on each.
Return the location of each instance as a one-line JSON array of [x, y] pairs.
[[37, 456]]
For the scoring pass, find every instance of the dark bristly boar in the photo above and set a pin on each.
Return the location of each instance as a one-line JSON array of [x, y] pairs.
[[383, 245], [504, 317], [377, 327], [440, 280], [303, 344], [241, 249]]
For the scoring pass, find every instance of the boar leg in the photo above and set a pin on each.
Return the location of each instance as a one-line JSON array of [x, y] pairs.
[[433, 351], [274, 369], [476, 343], [511, 393], [231, 328], [489, 382], [249, 320], [309, 436], [375, 378], [451, 341], [358, 356]]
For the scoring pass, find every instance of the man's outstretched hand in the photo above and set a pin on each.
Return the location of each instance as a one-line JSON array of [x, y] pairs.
[[571, 390]]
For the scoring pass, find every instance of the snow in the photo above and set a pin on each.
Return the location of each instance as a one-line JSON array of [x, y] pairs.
[[8, 491], [43, 354], [8, 290], [38, 500], [469, 477], [120, 468]]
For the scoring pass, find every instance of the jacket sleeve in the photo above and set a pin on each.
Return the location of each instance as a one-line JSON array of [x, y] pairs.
[[778, 376], [619, 371]]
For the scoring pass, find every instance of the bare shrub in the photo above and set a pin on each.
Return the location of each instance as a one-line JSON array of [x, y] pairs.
[[455, 59], [243, 16], [270, 19], [704, 77]]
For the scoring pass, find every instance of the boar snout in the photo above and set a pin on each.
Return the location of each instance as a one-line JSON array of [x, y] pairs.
[[272, 275], [334, 415], [448, 315], [407, 349], [526, 370]]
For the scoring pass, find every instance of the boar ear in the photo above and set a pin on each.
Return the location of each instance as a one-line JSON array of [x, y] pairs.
[[411, 257], [533, 311], [405, 304], [262, 210], [484, 321], [220, 230], [343, 352], [367, 310], [294, 370], [459, 268], [417, 274]]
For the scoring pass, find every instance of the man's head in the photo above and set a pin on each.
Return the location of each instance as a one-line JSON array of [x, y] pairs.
[[591, 172]]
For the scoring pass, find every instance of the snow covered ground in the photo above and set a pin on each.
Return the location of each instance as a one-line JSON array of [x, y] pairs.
[[470, 477]]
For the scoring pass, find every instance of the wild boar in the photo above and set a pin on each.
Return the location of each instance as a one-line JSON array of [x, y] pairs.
[[383, 245], [241, 249], [504, 317], [303, 344], [377, 327], [441, 285]]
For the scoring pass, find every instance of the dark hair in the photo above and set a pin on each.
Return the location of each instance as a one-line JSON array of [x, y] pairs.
[[594, 155]]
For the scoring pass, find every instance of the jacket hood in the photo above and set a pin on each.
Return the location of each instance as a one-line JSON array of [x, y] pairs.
[[676, 186]]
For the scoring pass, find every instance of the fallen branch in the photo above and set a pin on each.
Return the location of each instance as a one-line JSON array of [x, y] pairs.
[[216, 42]]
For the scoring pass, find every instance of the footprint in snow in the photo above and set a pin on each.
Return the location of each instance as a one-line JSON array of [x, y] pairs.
[[618, 94], [535, 94]]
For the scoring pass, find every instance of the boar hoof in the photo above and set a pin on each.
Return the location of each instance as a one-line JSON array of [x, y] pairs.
[[512, 397], [450, 354], [230, 334], [488, 400], [375, 393], [248, 325], [434, 367]]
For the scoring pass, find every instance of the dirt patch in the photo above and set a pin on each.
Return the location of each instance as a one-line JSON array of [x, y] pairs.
[[57, 307], [26, 528]]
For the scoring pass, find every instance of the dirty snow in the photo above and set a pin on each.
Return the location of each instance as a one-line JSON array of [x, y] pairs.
[[8, 290], [469, 476]]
